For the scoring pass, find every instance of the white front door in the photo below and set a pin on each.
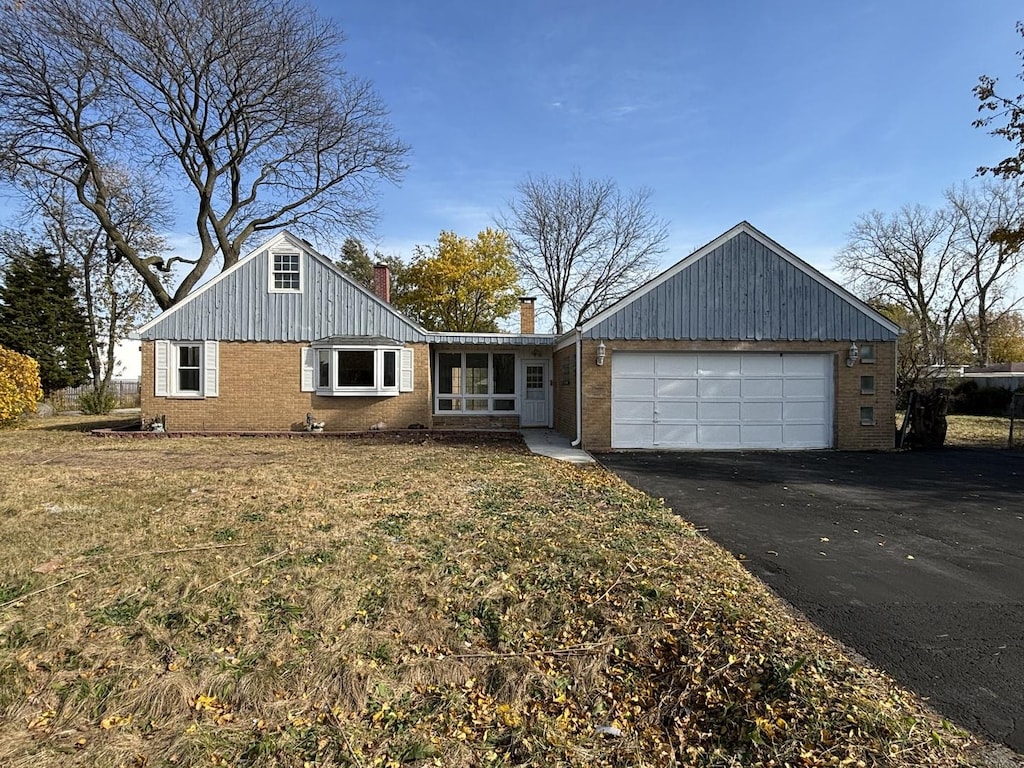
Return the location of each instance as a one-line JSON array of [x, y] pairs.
[[534, 403]]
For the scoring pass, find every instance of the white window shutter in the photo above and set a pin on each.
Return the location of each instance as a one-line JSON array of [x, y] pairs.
[[211, 365], [405, 380], [161, 374], [308, 362]]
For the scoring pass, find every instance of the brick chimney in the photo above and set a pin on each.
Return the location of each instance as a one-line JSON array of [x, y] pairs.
[[382, 281], [526, 317]]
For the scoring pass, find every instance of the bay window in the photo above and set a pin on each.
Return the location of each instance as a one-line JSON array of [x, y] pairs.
[[351, 370], [476, 382]]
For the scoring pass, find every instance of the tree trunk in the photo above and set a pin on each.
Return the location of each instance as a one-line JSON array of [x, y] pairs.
[[928, 419]]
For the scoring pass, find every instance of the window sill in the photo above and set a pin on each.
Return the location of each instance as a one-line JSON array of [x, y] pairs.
[[356, 393], [475, 413]]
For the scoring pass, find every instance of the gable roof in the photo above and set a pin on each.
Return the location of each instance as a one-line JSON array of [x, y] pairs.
[[237, 305], [741, 286]]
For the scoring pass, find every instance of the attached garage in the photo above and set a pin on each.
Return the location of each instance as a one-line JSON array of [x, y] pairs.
[[722, 400], [739, 345]]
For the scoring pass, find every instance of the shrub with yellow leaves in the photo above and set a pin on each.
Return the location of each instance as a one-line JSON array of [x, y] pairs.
[[20, 389]]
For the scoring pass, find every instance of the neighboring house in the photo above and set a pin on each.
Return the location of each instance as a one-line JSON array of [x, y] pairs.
[[999, 375], [739, 345]]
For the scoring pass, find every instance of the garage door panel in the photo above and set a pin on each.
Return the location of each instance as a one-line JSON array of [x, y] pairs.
[[762, 435], [762, 365], [802, 411], [720, 364], [676, 388], [675, 435], [709, 387], [677, 411], [759, 412], [635, 411], [721, 400], [716, 411], [804, 435], [766, 388], [673, 365], [719, 435], [634, 365]]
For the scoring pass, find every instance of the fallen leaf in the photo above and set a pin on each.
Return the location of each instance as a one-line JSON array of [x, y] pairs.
[[51, 565]]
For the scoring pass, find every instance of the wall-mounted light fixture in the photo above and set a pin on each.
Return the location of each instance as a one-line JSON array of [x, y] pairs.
[[852, 356], [601, 353]]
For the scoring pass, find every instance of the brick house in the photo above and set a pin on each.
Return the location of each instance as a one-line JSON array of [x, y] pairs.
[[739, 345]]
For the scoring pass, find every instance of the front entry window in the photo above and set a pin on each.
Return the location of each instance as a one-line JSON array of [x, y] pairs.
[[476, 382]]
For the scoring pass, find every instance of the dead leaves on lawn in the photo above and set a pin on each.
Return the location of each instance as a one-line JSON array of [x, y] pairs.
[[369, 605]]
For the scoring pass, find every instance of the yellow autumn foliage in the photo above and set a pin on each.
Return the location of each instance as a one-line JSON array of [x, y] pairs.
[[20, 389], [462, 284]]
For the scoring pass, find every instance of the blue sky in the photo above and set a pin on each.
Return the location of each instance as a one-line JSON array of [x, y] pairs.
[[796, 116]]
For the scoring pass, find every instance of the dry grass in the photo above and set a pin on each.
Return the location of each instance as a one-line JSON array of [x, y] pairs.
[[316, 602], [982, 431]]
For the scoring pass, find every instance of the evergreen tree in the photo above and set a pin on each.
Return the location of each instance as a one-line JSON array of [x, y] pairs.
[[40, 316], [355, 261]]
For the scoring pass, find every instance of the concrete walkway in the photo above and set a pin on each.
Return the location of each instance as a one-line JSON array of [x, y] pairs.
[[547, 442]]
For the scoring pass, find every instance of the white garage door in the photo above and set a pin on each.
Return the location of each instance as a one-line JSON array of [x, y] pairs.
[[719, 400]]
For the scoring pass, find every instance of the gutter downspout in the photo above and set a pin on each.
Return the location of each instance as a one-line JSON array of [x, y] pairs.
[[579, 388]]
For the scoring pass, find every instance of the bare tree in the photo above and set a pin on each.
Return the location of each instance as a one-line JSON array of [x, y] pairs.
[[582, 244], [244, 104], [113, 297], [992, 260], [911, 259]]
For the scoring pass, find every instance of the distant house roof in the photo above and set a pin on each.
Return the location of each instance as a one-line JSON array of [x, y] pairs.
[[994, 370]]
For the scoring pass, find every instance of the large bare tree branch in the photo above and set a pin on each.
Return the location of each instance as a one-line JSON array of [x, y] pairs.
[[580, 243], [244, 104]]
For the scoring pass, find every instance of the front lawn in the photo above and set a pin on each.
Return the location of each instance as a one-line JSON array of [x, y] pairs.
[[324, 602]]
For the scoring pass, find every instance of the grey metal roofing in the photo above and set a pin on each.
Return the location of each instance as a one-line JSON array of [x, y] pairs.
[[357, 341], [742, 286], [237, 305], [492, 339]]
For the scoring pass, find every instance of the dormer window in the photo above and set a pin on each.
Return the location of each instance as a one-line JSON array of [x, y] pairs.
[[285, 272]]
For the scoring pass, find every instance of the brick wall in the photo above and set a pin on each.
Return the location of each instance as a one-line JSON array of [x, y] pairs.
[[476, 421], [848, 432], [260, 390], [564, 393]]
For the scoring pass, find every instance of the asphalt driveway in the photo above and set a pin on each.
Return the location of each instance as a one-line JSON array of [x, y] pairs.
[[916, 560]]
